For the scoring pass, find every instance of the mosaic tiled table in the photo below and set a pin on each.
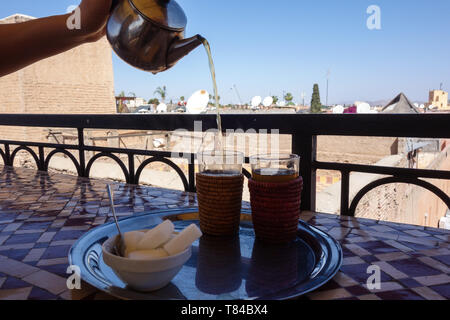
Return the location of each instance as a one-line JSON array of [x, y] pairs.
[[42, 215]]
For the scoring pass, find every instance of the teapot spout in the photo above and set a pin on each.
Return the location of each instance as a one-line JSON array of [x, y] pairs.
[[182, 47]]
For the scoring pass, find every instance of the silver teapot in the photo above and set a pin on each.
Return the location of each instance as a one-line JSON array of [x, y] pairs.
[[149, 34]]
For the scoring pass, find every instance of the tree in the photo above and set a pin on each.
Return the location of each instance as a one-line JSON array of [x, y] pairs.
[[120, 105], [316, 105], [123, 108], [182, 98], [211, 98], [275, 99], [153, 101], [289, 97], [132, 94], [162, 92]]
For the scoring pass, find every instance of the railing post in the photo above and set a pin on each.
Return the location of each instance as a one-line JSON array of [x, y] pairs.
[[81, 151], [131, 170], [41, 159], [306, 147], [8, 155], [191, 168], [345, 192]]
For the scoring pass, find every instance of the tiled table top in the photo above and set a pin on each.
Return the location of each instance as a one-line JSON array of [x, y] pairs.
[[42, 215]]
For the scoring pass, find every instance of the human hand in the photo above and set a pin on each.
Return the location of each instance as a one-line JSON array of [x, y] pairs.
[[94, 16]]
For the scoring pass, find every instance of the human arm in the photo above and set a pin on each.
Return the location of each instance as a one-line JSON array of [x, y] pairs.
[[22, 44]]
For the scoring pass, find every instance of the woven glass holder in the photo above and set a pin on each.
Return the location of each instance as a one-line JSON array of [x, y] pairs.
[[219, 202], [275, 210]]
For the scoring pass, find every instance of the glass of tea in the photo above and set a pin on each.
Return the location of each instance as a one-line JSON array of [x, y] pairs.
[[220, 184], [220, 162], [275, 196], [275, 168]]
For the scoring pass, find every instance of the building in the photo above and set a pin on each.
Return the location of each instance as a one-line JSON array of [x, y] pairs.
[[132, 103], [79, 81], [400, 105], [439, 99]]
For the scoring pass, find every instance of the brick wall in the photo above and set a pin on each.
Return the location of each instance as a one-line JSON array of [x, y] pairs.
[[355, 149], [428, 207], [406, 203]]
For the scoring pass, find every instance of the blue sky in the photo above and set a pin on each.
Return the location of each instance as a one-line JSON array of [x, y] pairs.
[[268, 47]]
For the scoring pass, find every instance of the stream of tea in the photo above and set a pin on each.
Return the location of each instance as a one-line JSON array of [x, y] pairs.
[[218, 143]]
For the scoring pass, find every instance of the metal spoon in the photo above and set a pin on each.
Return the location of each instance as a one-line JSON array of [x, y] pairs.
[[120, 243]]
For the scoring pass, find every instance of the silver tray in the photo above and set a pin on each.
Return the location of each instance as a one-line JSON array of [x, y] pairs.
[[220, 268]]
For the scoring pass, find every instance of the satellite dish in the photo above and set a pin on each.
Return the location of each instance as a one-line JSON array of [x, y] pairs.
[[416, 105], [431, 107], [159, 143], [422, 106], [256, 101], [363, 107], [281, 103], [198, 102], [338, 109], [267, 102], [161, 108]]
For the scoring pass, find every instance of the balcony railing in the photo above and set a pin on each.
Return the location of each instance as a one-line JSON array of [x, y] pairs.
[[303, 128]]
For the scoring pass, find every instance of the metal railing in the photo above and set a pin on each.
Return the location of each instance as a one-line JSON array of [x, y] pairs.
[[303, 128]]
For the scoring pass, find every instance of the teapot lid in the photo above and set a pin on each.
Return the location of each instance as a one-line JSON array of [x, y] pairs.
[[166, 13]]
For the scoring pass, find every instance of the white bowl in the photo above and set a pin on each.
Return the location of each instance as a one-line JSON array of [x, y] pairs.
[[144, 275]]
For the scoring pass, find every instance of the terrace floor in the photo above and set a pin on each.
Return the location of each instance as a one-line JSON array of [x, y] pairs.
[[42, 215]]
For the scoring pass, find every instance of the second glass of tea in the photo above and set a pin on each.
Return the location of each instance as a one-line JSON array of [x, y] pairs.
[[275, 168], [275, 196]]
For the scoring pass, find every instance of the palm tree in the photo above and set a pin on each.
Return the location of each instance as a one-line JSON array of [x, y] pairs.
[[162, 92], [132, 94], [288, 97], [212, 100], [119, 103]]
